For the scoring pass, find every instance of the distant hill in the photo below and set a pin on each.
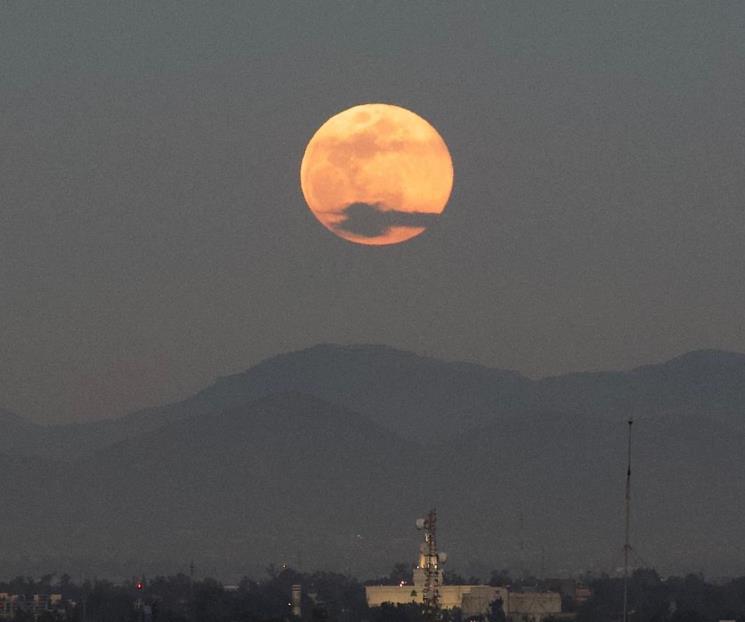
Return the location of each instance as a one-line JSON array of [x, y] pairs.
[[421, 398], [10, 418], [324, 457], [707, 382], [265, 482], [17, 434]]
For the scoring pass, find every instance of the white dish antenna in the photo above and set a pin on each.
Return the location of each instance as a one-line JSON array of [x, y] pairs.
[[420, 523]]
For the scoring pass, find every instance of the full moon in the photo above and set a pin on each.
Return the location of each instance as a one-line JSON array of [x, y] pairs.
[[376, 174]]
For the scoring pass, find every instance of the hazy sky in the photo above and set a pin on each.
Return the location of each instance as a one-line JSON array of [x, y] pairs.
[[153, 234]]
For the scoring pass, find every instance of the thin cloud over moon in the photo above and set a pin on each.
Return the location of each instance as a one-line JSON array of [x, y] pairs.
[[374, 220]]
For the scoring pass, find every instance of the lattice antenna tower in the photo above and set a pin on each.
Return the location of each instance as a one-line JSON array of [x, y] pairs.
[[431, 595]]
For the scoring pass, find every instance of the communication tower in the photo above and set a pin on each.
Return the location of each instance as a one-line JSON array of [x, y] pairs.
[[428, 573]]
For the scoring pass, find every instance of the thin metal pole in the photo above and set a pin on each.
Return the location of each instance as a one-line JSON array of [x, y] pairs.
[[192, 609], [627, 544]]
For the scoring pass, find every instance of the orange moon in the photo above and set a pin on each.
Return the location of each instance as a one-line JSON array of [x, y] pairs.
[[376, 174]]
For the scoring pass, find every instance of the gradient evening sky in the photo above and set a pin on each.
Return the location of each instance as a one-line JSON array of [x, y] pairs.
[[153, 234]]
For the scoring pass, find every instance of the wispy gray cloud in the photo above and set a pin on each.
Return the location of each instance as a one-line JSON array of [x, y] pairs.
[[371, 220]]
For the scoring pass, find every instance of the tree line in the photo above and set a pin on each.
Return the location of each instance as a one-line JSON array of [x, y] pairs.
[[333, 597]]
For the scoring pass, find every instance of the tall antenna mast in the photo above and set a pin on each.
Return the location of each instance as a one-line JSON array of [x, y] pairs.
[[627, 542], [521, 546], [191, 590]]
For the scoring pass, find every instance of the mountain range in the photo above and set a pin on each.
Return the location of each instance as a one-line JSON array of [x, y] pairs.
[[323, 458]]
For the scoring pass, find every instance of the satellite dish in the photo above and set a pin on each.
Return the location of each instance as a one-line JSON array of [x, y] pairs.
[[420, 523], [442, 558]]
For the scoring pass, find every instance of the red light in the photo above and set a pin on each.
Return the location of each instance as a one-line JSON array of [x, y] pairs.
[[139, 585]]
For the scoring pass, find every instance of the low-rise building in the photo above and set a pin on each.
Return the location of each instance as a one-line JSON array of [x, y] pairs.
[[472, 600], [35, 604]]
